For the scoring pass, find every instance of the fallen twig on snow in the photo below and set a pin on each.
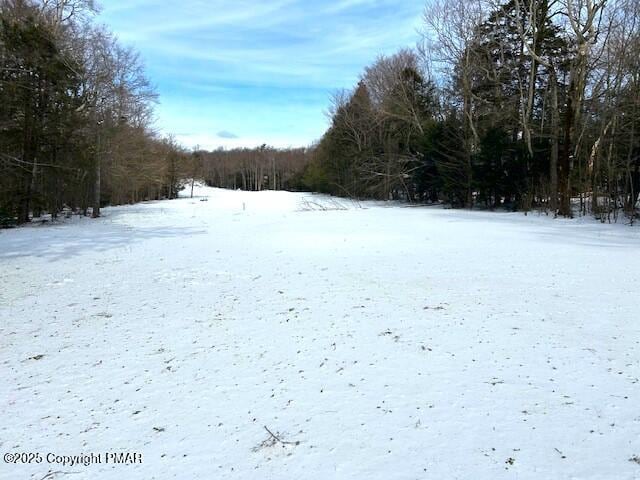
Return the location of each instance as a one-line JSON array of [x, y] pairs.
[[59, 472], [278, 439]]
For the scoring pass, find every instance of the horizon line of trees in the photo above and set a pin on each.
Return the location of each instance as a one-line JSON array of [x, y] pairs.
[[76, 116], [520, 104], [254, 169]]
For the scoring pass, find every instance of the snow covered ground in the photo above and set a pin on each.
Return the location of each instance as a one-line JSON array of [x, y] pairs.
[[381, 342]]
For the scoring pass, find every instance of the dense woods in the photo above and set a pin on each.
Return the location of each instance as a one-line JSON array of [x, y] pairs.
[[520, 104], [253, 169], [75, 116]]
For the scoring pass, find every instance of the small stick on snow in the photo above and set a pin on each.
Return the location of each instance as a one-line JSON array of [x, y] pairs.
[[52, 474], [278, 439], [561, 454]]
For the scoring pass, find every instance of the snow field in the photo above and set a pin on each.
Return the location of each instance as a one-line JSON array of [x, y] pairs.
[[377, 342]]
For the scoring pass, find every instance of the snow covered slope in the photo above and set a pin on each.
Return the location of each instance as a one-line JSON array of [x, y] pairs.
[[380, 342]]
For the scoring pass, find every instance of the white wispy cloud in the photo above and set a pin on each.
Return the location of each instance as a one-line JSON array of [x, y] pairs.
[[262, 70], [227, 135]]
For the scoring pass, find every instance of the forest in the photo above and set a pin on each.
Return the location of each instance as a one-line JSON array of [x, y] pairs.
[[254, 169], [76, 116], [523, 104], [520, 105]]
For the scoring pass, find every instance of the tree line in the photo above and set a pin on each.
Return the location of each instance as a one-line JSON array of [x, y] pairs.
[[520, 104], [254, 169], [76, 112]]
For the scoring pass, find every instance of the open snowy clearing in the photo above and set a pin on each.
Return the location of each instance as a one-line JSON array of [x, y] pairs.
[[380, 342]]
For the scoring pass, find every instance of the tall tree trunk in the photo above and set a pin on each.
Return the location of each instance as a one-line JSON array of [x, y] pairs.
[[564, 164], [273, 161], [97, 179], [553, 164]]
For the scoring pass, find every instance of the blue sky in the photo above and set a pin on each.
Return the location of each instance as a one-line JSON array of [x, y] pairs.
[[246, 72]]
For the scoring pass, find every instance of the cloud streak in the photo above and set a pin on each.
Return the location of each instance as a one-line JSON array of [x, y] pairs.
[[227, 135], [262, 70]]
